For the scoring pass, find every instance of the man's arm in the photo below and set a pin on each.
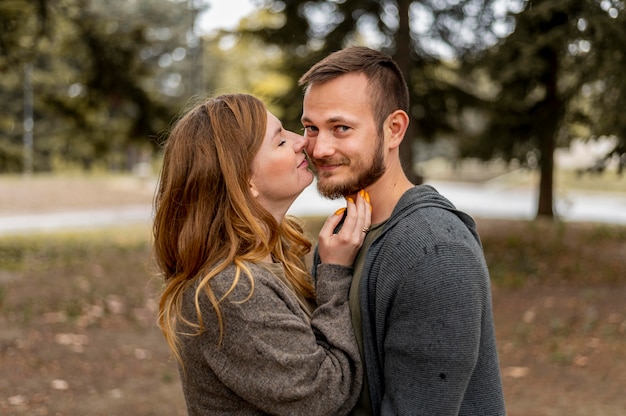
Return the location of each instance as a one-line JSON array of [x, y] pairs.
[[432, 340]]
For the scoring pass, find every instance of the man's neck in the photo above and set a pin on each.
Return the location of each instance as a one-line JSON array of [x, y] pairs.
[[385, 194]]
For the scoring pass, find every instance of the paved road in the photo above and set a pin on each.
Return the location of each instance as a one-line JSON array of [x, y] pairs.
[[494, 201], [478, 200], [16, 224]]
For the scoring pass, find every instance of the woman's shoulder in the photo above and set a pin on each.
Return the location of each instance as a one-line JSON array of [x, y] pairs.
[[243, 276], [233, 284]]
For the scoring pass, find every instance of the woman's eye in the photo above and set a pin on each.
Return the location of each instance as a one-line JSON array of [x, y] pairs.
[[282, 142]]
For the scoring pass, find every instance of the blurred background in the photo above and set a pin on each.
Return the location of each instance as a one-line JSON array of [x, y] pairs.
[[517, 115], [497, 85]]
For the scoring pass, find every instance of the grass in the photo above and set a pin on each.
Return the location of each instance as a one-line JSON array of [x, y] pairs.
[[605, 182], [81, 273], [73, 270], [77, 269], [527, 253], [521, 253], [81, 307]]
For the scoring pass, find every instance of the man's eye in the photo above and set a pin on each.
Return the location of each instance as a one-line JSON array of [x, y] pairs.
[[342, 129], [309, 129]]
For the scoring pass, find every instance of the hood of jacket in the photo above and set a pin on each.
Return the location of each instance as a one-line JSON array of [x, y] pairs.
[[416, 198], [425, 196]]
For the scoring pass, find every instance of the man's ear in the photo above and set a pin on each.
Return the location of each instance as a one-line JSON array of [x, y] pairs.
[[395, 128]]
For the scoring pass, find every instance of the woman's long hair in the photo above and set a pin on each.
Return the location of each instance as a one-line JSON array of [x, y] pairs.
[[206, 217]]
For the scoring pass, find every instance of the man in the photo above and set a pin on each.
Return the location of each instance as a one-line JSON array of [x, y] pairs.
[[420, 295]]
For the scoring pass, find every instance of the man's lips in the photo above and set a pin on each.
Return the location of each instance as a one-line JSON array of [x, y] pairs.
[[325, 166]]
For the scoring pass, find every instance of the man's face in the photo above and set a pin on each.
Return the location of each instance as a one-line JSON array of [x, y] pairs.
[[343, 141]]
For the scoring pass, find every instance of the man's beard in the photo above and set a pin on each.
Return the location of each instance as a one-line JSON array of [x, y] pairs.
[[353, 185]]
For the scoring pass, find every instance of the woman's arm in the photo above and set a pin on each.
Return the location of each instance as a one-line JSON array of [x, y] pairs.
[[272, 357]]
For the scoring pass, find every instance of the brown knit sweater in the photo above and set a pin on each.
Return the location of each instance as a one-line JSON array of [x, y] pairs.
[[273, 358]]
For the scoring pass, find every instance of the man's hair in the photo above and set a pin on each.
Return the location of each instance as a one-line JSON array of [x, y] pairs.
[[388, 87]]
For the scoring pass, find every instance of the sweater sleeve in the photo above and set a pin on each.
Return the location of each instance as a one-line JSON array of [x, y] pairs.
[[432, 341], [273, 359]]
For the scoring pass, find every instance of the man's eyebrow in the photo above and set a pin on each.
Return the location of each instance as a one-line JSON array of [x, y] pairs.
[[334, 119], [337, 119]]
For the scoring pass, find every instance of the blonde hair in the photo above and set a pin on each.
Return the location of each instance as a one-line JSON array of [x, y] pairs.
[[205, 216]]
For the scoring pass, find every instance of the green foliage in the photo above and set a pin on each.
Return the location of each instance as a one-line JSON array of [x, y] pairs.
[[110, 76], [559, 72], [238, 63], [558, 75], [107, 78], [22, 24]]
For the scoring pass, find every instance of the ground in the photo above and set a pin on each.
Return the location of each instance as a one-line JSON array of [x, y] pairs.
[[77, 332]]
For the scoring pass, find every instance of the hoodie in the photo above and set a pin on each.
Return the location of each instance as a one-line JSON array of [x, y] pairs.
[[428, 333]]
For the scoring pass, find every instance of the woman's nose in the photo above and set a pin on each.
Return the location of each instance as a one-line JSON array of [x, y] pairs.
[[300, 142]]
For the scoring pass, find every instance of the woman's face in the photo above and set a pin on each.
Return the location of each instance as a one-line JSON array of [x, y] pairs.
[[280, 168]]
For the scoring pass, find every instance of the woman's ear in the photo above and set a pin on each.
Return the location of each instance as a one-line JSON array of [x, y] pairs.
[[395, 128], [253, 190]]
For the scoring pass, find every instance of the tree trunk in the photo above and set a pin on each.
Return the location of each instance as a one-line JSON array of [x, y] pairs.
[[403, 59], [545, 205], [549, 114]]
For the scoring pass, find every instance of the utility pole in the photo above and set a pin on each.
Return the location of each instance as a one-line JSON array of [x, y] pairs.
[[195, 86], [29, 122]]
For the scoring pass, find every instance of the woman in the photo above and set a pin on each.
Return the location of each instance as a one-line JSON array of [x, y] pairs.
[[250, 332]]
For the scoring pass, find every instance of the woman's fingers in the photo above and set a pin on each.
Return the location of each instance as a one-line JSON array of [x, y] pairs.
[[366, 214], [358, 220], [332, 222], [343, 246]]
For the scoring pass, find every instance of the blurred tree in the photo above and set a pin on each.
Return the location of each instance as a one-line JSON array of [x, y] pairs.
[[22, 24], [558, 76], [106, 77], [423, 36], [246, 64]]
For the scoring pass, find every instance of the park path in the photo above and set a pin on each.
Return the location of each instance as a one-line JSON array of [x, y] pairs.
[[484, 200]]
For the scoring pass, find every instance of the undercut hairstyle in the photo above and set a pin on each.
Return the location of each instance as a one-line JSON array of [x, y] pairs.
[[389, 90]]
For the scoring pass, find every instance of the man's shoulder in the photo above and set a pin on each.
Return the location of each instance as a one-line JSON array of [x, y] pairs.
[[421, 194], [415, 231], [418, 217]]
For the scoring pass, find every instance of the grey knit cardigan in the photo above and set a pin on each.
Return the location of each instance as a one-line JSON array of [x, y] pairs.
[[273, 358]]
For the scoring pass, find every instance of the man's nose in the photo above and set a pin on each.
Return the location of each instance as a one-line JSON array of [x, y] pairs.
[[320, 146]]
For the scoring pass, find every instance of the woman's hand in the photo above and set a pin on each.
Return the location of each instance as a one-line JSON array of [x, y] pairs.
[[342, 248]]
